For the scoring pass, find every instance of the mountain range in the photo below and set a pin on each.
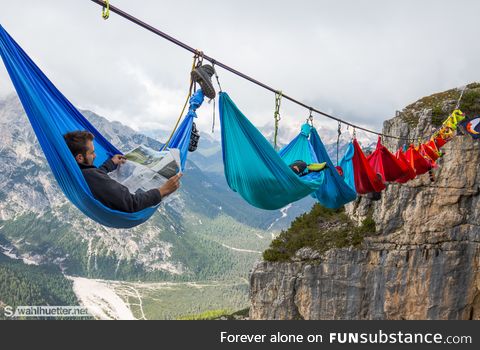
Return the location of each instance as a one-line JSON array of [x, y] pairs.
[[197, 234], [202, 242], [209, 155]]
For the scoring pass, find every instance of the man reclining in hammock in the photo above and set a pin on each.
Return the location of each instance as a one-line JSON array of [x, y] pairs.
[[301, 168], [108, 191]]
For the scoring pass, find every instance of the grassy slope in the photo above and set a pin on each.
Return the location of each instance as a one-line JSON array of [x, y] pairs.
[[321, 230]]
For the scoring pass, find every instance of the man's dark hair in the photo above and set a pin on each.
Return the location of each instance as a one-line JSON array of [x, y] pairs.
[[77, 142], [300, 164]]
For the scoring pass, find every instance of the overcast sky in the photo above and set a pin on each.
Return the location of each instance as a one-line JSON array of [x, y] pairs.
[[359, 60]]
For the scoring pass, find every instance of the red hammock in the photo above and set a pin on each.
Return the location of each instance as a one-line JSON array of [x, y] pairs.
[[409, 171], [440, 142], [433, 146], [427, 158], [385, 163], [366, 179], [429, 152], [419, 163]]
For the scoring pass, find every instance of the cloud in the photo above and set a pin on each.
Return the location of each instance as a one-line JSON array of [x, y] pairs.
[[359, 60]]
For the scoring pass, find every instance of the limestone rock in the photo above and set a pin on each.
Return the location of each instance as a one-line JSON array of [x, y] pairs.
[[306, 253]]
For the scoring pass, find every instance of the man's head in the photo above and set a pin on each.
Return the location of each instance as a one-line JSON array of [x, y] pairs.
[[298, 166], [81, 145]]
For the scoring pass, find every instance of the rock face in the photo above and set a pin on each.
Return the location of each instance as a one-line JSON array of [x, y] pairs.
[[423, 263]]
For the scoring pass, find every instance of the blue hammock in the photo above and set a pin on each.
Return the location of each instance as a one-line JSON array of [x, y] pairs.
[[253, 168], [333, 192], [181, 137], [299, 148], [51, 116], [346, 163]]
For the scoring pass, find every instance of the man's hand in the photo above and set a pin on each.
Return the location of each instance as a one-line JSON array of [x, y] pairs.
[[171, 185], [118, 159]]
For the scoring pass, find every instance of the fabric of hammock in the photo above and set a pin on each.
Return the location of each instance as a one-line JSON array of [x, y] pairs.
[[440, 142], [366, 179], [51, 116], [254, 169], [346, 163], [334, 191], [425, 156], [409, 173], [417, 161], [433, 146], [299, 148], [181, 137], [446, 134], [385, 163], [406, 168], [433, 155]]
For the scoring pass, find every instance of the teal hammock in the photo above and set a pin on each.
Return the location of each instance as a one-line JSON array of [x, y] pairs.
[[346, 163], [262, 176]]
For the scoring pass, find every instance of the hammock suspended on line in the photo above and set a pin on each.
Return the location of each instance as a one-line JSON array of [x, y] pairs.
[[346, 163], [431, 144], [440, 141], [417, 161], [333, 192], [366, 179], [262, 176], [427, 150], [254, 169], [52, 115], [300, 148], [181, 137], [409, 173], [385, 163]]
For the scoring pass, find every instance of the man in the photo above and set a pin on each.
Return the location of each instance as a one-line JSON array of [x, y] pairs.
[[108, 191], [301, 168]]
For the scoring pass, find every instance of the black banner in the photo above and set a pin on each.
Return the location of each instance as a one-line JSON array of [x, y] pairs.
[[243, 334]]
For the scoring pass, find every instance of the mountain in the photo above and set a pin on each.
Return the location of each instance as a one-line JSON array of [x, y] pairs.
[[328, 136], [197, 234], [205, 232], [209, 156], [411, 255]]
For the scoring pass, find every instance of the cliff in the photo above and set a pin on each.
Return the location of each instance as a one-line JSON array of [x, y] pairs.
[[420, 262]]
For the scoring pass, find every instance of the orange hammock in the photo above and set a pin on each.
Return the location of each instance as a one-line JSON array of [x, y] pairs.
[[409, 173], [417, 161]]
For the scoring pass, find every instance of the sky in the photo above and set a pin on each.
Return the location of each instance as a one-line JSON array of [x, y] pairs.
[[360, 60]]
